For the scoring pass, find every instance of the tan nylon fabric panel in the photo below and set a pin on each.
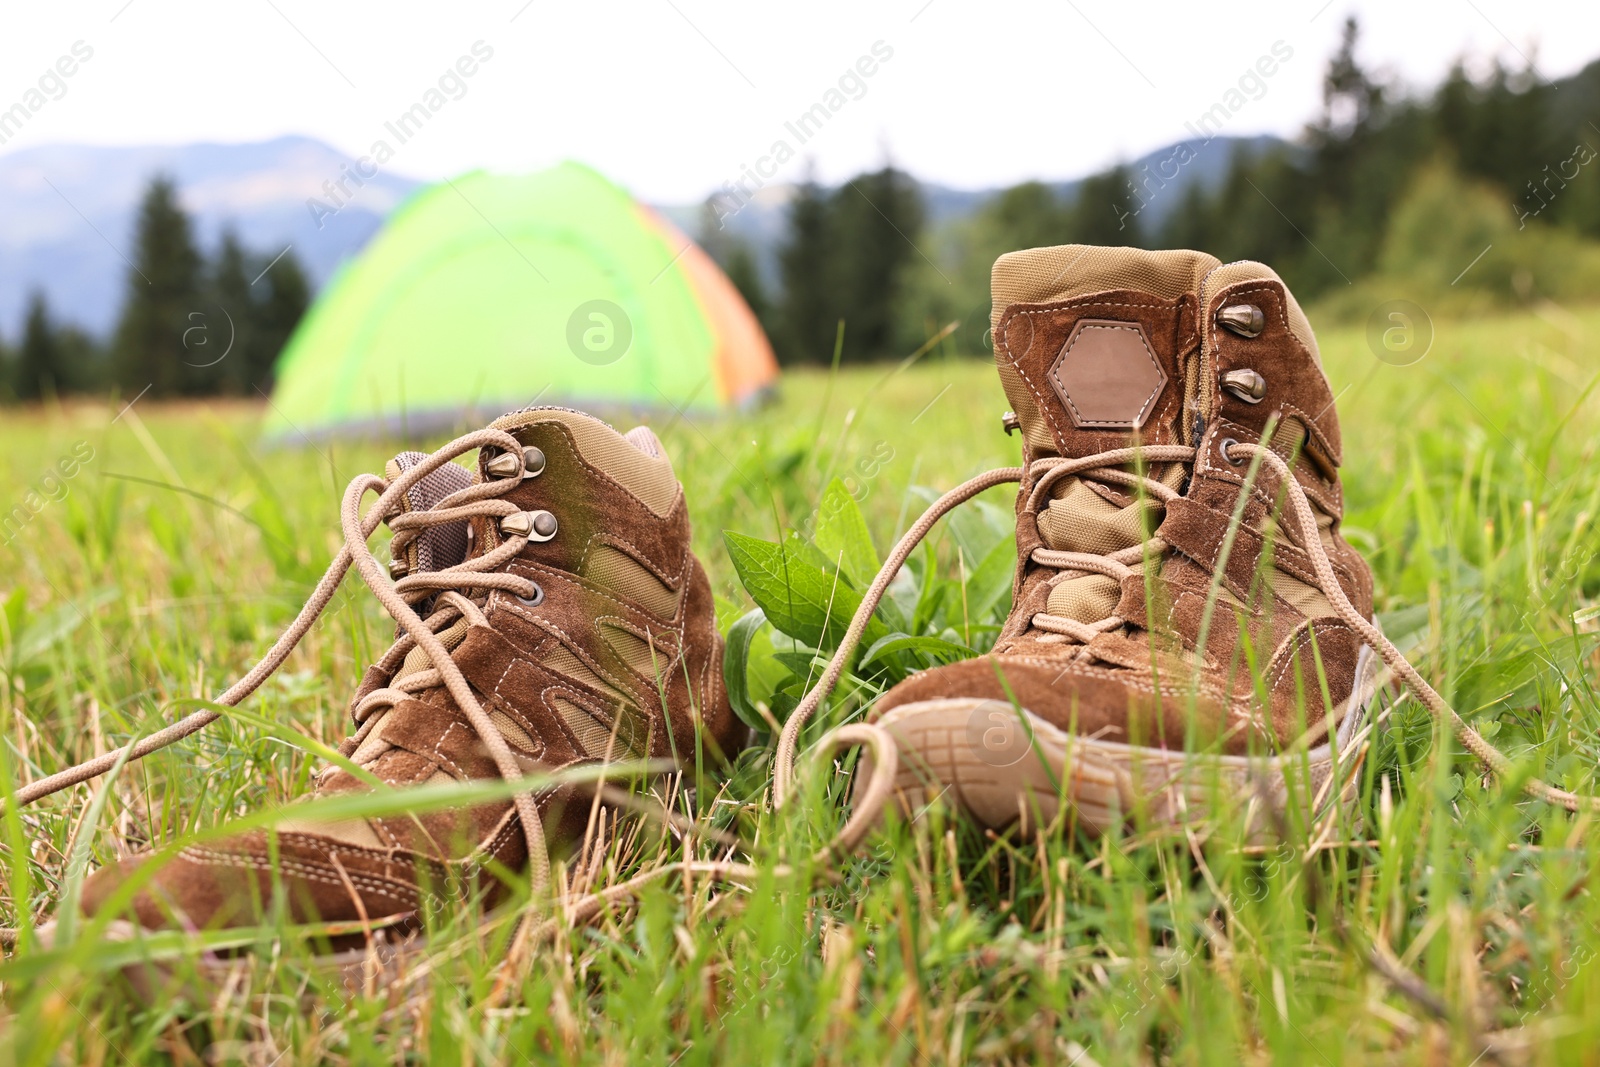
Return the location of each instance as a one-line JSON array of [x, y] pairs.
[[1040, 275], [562, 660], [633, 730], [635, 650], [357, 832], [1247, 270], [1080, 520], [1306, 598], [618, 571], [417, 659], [513, 731], [649, 478], [592, 737], [1086, 599]]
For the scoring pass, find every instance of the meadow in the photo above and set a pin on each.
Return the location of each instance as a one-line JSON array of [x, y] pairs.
[[1449, 919]]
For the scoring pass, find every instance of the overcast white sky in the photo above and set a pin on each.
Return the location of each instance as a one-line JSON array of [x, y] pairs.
[[673, 97]]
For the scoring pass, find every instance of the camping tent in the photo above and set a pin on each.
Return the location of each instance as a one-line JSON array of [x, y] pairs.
[[491, 292]]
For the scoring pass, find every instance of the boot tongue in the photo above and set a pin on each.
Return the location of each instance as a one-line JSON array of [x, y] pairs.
[[1097, 349], [1095, 346], [437, 547], [644, 439]]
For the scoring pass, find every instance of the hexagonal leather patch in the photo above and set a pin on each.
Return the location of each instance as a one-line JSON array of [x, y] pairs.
[[1107, 375]]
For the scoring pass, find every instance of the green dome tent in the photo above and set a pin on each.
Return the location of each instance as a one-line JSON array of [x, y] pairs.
[[491, 292]]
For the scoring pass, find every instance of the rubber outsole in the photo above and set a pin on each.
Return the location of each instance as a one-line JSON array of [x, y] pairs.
[[1008, 770]]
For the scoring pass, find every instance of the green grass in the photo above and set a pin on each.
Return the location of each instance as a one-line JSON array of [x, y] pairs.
[[1470, 483]]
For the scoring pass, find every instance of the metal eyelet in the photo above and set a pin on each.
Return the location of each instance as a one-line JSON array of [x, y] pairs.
[[534, 525], [1246, 384], [1226, 449], [506, 464], [535, 600], [1246, 320]]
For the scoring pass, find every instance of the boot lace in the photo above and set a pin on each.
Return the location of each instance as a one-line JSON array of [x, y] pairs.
[[1117, 564]]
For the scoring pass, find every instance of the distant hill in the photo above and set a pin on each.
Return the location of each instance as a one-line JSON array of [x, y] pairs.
[[66, 214], [67, 211], [761, 222]]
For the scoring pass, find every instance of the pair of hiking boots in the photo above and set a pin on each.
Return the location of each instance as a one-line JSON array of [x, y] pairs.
[[1184, 612]]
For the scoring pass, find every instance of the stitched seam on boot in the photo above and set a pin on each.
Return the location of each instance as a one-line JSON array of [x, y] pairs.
[[1282, 307], [638, 554], [1126, 678], [446, 761], [1205, 464], [621, 684], [667, 658], [1061, 387], [1016, 364], [1279, 603], [572, 440], [1286, 656], [396, 890]]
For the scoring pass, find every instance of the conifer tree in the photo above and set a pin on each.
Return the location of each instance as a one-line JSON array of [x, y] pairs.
[[38, 368], [236, 332], [877, 220], [1029, 215], [163, 294], [807, 316], [278, 311]]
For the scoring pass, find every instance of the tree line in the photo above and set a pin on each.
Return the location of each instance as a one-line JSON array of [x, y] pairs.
[[191, 324], [1387, 192]]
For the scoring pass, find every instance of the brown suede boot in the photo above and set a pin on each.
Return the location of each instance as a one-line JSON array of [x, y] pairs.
[[1168, 635], [576, 626], [1187, 626]]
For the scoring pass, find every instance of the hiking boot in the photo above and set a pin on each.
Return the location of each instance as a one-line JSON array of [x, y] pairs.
[[575, 626], [1171, 640]]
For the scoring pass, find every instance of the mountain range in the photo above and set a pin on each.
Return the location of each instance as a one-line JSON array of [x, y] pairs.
[[67, 212]]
